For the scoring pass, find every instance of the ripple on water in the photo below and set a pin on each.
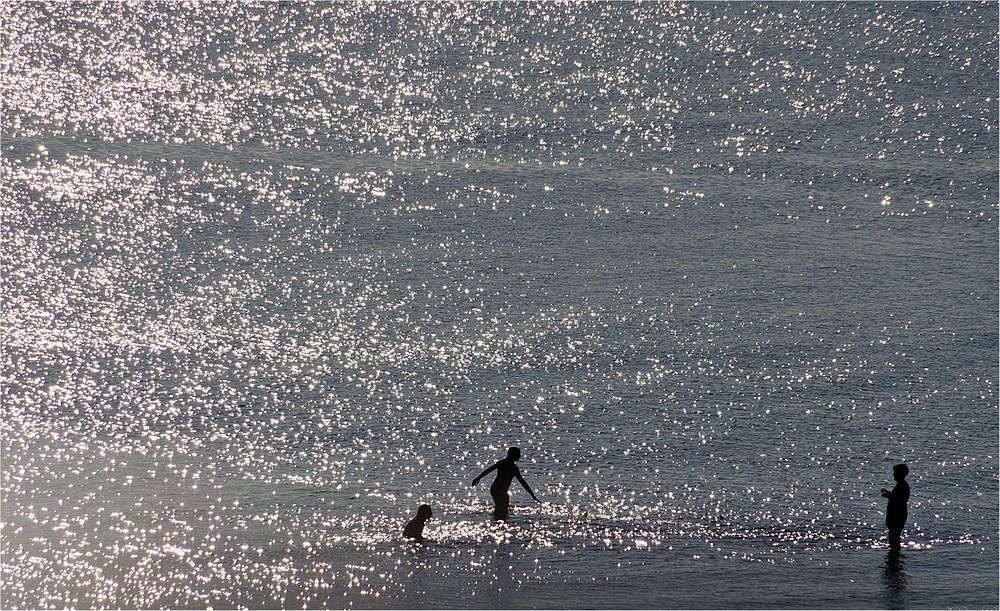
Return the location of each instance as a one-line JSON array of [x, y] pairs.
[[273, 277]]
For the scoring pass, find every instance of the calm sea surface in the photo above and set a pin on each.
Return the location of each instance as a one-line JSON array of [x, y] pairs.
[[275, 274]]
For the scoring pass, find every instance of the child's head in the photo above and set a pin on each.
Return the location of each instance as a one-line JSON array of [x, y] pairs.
[[514, 453], [424, 511], [900, 471]]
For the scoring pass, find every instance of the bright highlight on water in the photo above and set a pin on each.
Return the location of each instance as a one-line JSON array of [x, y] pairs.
[[275, 276]]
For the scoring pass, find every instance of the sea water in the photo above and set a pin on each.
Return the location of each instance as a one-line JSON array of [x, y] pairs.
[[276, 274]]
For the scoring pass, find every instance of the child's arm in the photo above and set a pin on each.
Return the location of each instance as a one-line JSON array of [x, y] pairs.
[[480, 476], [525, 484], [894, 493]]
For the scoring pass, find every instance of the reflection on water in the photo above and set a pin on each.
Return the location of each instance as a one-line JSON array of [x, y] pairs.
[[894, 580], [275, 275]]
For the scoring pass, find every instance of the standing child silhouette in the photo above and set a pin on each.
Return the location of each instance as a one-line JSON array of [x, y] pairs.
[[507, 470], [895, 512]]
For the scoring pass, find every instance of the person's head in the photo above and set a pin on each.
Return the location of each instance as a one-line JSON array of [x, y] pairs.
[[514, 453], [900, 471], [424, 511]]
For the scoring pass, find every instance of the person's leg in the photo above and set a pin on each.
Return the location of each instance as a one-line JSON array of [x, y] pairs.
[[895, 538], [502, 501]]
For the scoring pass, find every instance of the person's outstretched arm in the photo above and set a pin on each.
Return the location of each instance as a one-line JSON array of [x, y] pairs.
[[526, 486], [480, 476]]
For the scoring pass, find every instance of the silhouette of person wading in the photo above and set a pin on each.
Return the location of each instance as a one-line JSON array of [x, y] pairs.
[[506, 472], [895, 512], [415, 528]]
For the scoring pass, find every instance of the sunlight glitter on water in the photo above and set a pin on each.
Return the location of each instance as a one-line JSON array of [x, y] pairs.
[[274, 275]]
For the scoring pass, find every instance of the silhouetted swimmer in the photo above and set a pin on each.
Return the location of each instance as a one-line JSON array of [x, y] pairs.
[[506, 472], [895, 512], [415, 527]]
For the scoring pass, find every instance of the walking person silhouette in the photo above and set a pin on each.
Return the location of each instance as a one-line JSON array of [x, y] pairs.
[[895, 511], [507, 470]]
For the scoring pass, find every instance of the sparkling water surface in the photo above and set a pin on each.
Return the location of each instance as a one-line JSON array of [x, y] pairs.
[[276, 274]]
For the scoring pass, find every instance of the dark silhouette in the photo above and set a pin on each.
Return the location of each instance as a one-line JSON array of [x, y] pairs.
[[894, 581], [506, 472], [415, 527], [895, 512]]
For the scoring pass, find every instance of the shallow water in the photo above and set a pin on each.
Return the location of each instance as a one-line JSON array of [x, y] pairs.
[[274, 275]]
